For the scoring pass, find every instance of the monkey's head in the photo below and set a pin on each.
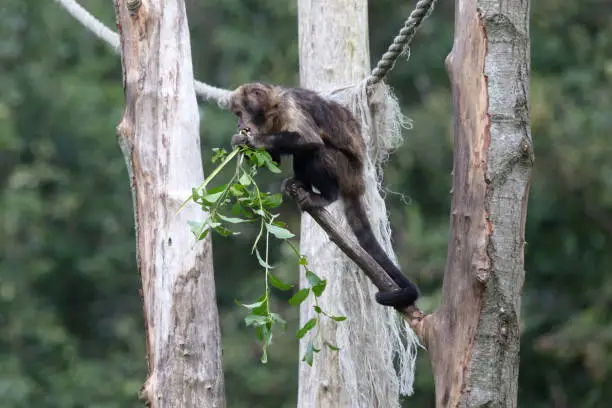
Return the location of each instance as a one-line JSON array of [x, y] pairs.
[[256, 105]]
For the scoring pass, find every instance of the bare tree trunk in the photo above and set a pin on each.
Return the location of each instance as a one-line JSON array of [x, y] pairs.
[[334, 53], [473, 339], [159, 136], [327, 63]]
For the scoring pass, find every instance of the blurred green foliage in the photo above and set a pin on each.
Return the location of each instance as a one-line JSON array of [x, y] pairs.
[[71, 330]]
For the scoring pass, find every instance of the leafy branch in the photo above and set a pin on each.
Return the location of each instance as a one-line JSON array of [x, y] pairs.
[[240, 200]]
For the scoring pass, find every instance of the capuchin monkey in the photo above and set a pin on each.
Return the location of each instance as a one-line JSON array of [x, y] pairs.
[[328, 153]]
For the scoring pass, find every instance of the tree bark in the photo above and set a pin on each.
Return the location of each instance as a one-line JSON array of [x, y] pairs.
[[159, 137], [333, 48], [334, 53], [473, 338]]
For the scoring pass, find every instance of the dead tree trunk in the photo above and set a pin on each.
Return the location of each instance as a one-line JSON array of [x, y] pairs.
[[473, 339], [334, 53], [159, 136], [326, 63]]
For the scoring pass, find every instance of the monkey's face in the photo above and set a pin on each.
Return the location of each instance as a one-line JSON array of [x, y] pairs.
[[254, 105]]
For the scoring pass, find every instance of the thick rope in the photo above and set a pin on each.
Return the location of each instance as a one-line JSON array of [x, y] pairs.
[[207, 92], [400, 43]]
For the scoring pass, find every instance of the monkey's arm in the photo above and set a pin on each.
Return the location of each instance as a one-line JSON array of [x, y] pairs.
[[281, 142]]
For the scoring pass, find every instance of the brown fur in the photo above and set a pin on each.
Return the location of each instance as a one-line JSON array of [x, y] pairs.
[[328, 154]]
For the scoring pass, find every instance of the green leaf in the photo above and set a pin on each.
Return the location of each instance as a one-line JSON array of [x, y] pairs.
[[245, 179], [263, 263], [255, 320], [239, 209], [268, 338], [261, 333], [199, 229], [220, 153], [236, 208], [237, 190], [318, 284], [277, 283], [278, 232], [313, 278], [309, 354], [212, 198], [232, 220], [261, 310], [299, 297], [214, 194], [221, 230], [194, 194], [338, 318], [260, 156], [212, 223], [332, 347], [317, 309], [196, 227], [318, 290], [275, 317], [306, 328], [259, 302], [259, 212], [203, 234], [273, 200], [303, 260], [270, 165]]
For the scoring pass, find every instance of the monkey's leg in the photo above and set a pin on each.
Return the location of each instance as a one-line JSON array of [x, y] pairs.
[[287, 142]]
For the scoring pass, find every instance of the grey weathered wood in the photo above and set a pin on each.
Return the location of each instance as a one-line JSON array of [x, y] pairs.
[[333, 46], [159, 136], [333, 51], [483, 279]]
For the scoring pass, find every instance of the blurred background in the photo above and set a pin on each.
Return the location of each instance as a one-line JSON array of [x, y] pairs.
[[71, 327]]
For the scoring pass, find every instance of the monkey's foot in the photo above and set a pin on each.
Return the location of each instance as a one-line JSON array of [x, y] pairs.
[[297, 191]]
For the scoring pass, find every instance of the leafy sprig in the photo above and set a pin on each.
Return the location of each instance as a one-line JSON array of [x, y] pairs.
[[240, 200]]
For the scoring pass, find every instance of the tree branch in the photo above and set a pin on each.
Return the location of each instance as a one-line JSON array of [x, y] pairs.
[[413, 315]]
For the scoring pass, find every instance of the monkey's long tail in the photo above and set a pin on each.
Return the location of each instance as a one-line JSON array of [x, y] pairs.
[[360, 224]]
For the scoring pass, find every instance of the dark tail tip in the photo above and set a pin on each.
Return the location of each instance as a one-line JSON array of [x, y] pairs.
[[400, 298]]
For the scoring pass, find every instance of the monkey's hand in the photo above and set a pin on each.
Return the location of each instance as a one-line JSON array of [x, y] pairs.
[[241, 139]]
